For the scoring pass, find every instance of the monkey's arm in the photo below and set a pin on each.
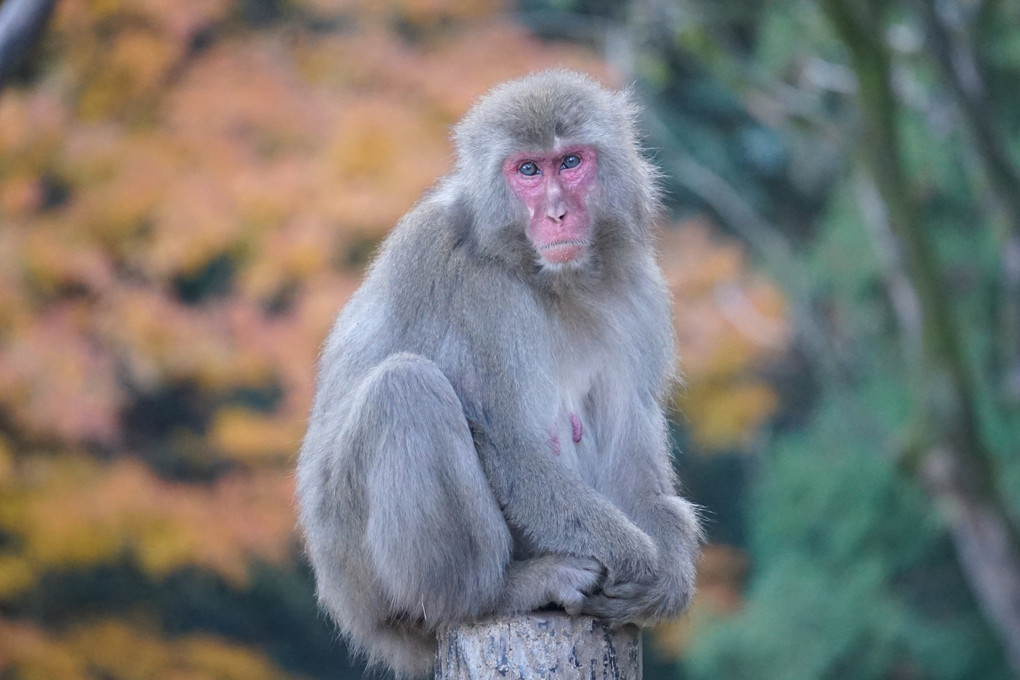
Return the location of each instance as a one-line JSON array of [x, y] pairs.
[[646, 492], [559, 512]]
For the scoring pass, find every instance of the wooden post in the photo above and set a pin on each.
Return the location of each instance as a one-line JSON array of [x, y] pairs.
[[539, 645]]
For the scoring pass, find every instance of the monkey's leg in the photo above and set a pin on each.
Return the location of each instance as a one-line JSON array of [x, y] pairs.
[[435, 536]]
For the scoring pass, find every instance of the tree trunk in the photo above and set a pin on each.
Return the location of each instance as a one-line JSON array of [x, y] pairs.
[[21, 21], [984, 545], [538, 645], [950, 455]]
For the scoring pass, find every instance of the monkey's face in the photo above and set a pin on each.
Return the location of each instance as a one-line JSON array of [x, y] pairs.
[[554, 186]]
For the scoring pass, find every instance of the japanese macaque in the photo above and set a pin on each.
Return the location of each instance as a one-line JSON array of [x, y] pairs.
[[488, 434]]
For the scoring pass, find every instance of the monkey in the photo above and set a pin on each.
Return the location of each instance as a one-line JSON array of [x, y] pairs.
[[488, 434]]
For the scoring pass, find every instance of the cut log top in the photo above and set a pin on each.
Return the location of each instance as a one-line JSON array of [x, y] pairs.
[[538, 645]]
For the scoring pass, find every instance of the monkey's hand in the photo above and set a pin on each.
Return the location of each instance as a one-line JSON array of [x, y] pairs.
[[671, 588], [643, 603], [630, 558], [565, 580], [572, 580]]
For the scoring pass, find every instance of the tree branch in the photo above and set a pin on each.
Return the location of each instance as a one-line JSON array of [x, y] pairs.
[[962, 72], [955, 465], [21, 22]]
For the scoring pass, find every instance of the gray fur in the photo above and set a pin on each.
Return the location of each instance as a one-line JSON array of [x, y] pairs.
[[429, 491]]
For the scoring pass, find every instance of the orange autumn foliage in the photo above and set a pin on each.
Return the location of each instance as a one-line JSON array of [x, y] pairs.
[[73, 511], [728, 321], [121, 651]]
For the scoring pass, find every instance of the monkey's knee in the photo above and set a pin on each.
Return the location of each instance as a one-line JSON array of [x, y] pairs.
[[408, 390], [406, 369]]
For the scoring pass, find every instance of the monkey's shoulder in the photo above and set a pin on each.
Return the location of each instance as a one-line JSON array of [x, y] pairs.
[[427, 288], [428, 243], [430, 261]]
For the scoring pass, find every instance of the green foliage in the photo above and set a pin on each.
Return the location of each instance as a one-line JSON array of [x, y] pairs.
[[855, 577]]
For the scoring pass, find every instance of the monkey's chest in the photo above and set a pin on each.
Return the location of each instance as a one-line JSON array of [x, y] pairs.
[[570, 418]]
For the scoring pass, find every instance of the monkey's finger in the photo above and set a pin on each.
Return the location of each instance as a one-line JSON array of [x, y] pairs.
[[611, 609], [588, 564], [574, 608], [624, 589]]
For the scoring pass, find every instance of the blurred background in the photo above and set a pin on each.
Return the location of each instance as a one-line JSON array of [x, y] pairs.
[[190, 189]]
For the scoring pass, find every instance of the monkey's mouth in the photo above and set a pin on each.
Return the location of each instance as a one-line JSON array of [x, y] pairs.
[[563, 251]]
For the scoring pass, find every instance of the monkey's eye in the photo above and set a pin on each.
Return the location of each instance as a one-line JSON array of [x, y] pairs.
[[571, 161], [528, 168]]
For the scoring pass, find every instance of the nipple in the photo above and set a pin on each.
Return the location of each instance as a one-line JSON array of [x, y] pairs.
[[575, 426]]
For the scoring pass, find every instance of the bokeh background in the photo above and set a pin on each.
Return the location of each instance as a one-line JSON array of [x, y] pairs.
[[190, 189]]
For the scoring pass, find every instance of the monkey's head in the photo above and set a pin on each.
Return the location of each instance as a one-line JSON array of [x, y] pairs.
[[551, 163]]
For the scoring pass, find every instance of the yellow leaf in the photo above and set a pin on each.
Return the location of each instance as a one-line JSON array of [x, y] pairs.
[[6, 462], [726, 415], [134, 65], [16, 575], [254, 437]]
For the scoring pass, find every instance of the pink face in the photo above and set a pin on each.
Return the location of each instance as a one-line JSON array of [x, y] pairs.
[[554, 185]]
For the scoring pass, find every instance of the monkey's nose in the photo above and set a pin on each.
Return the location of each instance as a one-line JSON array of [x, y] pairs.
[[556, 211], [555, 206]]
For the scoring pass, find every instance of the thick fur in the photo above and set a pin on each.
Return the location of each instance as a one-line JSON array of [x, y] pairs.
[[429, 487]]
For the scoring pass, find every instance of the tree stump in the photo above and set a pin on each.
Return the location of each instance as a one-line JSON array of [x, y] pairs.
[[538, 645]]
